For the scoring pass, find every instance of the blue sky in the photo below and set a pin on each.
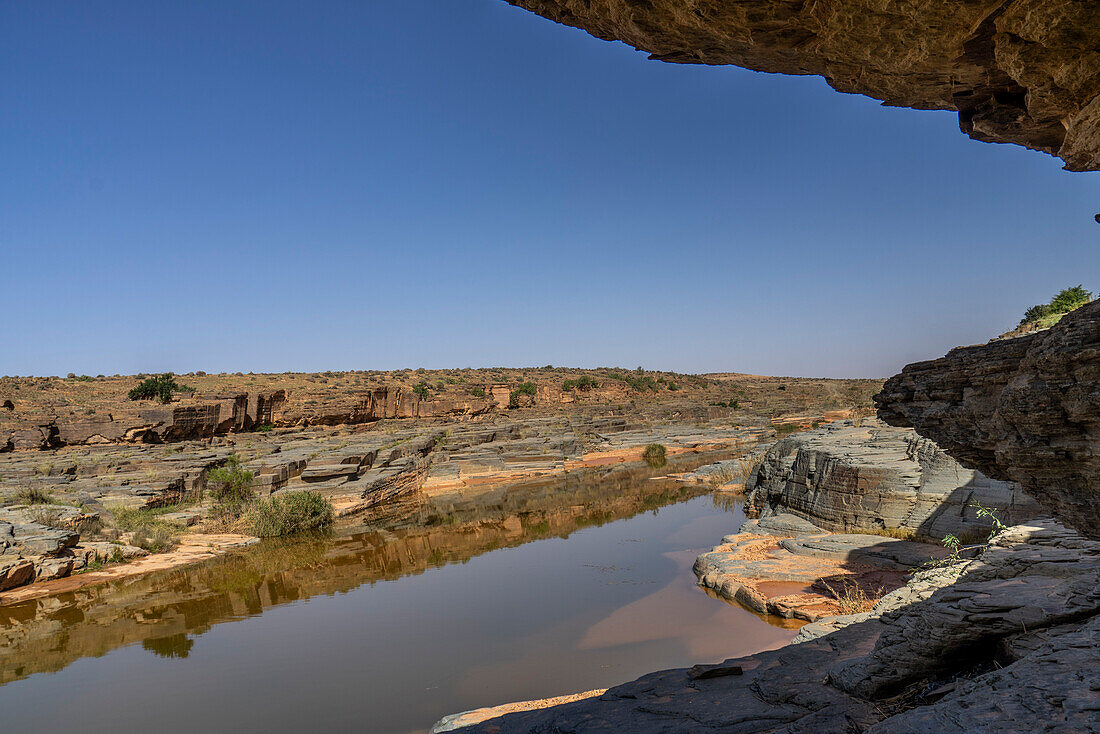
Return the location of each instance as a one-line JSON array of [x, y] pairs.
[[271, 186]]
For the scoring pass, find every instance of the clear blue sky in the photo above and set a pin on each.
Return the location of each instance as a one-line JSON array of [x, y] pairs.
[[270, 186]]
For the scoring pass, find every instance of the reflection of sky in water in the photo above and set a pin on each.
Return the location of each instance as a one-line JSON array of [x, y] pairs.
[[544, 618]]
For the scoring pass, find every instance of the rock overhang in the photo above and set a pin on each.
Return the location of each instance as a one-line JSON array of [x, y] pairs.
[[1017, 71]]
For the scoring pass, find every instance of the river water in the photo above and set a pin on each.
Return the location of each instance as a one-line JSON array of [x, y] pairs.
[[526, 592]]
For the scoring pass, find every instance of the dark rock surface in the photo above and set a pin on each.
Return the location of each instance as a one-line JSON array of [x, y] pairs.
[[1025, 409], [1017, 71]]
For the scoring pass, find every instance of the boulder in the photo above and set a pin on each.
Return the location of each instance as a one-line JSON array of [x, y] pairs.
[[845, 477]]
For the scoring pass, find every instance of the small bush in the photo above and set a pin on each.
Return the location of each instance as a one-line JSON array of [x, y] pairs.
[[655, 455], [159, 388], [1066, 300], [477, 392], [289, 512], [33, 496], [526, 388], [584, 383], [230, 485], [422, 390], [149, 531], [786, 428]]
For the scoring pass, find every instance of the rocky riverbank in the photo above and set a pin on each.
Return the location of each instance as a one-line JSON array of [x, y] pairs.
[[57, 524], [1007, 640]]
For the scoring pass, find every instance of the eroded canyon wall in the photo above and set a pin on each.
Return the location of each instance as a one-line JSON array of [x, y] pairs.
[[1025, 409]]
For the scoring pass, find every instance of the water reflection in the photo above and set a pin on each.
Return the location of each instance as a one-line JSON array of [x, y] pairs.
[[164, 612]]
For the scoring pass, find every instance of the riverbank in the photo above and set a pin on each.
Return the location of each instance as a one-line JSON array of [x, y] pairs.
[[69, 534], [896, 623], [544, 587]]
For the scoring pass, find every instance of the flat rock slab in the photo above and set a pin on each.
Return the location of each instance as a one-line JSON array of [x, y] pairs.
[[321, 473], [797, 577], [869, 549]]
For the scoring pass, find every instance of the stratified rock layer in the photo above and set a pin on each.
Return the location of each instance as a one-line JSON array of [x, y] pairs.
[[875, 477], [1024, 409], [1017, 71]]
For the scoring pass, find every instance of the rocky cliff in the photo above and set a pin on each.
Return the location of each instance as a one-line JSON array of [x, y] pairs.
[[1024, 409], [849, 478], [1017, 71]]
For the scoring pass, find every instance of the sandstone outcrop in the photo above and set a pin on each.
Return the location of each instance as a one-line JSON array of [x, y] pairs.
[[1017, 71], [848, 478], [1025, 409], [806, 575]]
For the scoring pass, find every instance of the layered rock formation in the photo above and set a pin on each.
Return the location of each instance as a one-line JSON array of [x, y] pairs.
[[848, 478], [356, 468], [1017, 71], [1025, 409], [49, 412]]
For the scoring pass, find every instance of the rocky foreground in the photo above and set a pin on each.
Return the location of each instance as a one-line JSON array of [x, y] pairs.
[[1006, 642]]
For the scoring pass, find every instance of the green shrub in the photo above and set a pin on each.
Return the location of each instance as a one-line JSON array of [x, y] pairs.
[[1070, 299], [1066, 300], [159, 388], [289, 512], [526, 388], [477, 392], [150, 531], [422, 390], [33, 496], [655, 455], [639, 382], [584, 383], [786, 428], [230, 486]]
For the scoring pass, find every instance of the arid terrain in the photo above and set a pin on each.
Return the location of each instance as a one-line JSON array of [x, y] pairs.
[[90, 476]]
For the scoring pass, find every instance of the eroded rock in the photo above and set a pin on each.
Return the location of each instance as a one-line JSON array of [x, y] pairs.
[[844, 477], [1017, 71], [1025, 409]]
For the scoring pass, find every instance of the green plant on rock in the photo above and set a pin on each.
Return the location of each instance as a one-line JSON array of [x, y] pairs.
[[149, 530], [655, 455], [996, 526], [526, 388], [422, 390], [289, 512], [33, 495], [477, 392], [584, 383], [1066, 300], [161, 388], [230, 486]]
